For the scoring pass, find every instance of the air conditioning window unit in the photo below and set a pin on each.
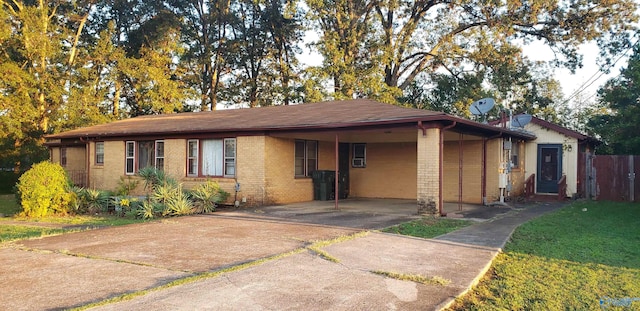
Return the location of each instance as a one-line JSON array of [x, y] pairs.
[[358, 162]]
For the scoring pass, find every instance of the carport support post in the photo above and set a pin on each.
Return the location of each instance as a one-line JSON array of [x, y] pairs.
[[429, 177], [336, 193]]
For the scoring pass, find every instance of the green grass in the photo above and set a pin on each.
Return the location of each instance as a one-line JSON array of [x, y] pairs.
[[568, 260], [30, 229], [12, 233], [428, 227]]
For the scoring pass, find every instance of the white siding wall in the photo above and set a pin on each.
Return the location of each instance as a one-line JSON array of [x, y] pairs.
[[569, 157]]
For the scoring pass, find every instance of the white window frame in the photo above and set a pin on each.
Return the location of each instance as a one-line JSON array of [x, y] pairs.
[[130, 155], [229, 161], [158, 158], [193, 158]]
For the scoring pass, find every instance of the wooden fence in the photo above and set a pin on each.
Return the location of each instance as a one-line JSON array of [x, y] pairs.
[[609, 177]]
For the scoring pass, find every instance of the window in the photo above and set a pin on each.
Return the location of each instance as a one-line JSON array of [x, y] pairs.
[[306, 157], [213, 157], [515, 154], [63, 156], [192, 157], [229, 157], [142, 154], [130, 157], [99, 153], [159, 163], [359, 155]]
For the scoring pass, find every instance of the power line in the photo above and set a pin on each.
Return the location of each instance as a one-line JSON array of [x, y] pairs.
[[599, 74]]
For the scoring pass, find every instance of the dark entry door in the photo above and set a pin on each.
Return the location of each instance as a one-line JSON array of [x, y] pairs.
[[549, 168], [343, 166]]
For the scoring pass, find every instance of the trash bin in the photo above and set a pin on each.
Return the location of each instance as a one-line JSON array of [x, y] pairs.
[[323, 185]]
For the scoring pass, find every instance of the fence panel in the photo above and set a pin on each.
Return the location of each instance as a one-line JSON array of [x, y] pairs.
[[615, 177]]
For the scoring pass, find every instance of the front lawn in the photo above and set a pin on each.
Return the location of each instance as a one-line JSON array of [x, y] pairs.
[[12, 233], [428, 227], [582, 257]]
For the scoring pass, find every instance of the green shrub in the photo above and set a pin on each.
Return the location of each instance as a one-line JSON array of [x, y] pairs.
[[126, 186], [207, 196], [179, 204], [44, 190], [154, 177]]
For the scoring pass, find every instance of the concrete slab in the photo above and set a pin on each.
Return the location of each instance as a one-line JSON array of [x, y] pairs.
[[37, 280], [307, 282], [191, 244], [79, 268]]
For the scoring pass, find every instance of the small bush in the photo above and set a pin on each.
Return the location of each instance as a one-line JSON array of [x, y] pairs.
[[44, 190], [207, 196]]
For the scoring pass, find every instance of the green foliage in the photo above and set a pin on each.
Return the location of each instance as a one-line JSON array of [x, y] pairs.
[[44, 190], [126, 185], [207, 196], [567, 260], [178, 204], [428, 227], [618, 124], [12, 233], [8, 205], [8, 181], [154, 178]]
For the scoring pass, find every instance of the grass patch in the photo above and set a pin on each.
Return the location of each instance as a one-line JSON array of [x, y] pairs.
[[8, 205], [12, 233], [428, 227], [572, 259], [417, 278], [315, 246]]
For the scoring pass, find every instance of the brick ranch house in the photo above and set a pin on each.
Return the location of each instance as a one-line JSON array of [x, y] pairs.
[[384, 151]]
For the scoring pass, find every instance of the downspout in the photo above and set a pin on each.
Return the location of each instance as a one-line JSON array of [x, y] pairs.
[[441, 157], [336, 193], [424, 129], [460, 168]]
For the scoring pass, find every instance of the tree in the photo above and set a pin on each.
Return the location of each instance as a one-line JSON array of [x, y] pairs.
[[619, 125], [412, 40], [38, 62]]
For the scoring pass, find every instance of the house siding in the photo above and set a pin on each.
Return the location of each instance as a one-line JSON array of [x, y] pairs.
[[471, 171], [390, 172], [569, 158], [281, 185], [518, 175], [493, 162]]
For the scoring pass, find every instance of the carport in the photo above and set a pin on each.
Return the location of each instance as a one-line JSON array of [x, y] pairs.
[[417, 159]]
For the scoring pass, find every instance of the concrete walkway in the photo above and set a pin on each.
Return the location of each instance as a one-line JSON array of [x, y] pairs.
[[57, 272]]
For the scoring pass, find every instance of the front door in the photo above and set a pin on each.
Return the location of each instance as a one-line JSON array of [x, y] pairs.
[[549, 168]]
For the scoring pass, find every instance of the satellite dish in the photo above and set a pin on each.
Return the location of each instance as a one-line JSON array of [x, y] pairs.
[[521, 120], [481, 107]]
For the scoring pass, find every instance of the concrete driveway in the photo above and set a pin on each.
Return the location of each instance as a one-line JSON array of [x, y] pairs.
[[77, 269]]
